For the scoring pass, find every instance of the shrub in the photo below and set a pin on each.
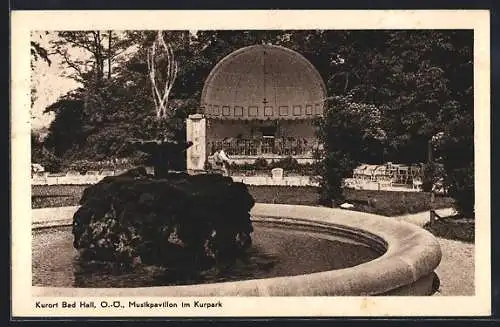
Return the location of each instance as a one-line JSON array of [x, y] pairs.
[[433, 174], [261, 163], [288, 164], [53, 164], [460, 183], [208, 166], [178, 221], [333, 169], [455, 148], [346, 133], [46, 158]]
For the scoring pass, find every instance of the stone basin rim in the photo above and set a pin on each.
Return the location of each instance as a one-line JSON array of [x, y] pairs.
[[405, 268]]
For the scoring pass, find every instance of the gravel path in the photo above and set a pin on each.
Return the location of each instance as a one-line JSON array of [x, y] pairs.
[[456, 270]]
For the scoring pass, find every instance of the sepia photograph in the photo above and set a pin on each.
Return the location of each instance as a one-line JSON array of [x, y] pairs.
[[179, 169]]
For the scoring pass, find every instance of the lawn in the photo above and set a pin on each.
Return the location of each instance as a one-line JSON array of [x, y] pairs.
[[384, 203], [453, 228], [387, 203], [43, 196]]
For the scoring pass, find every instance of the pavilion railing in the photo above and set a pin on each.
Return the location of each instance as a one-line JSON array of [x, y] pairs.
[[256, 147]]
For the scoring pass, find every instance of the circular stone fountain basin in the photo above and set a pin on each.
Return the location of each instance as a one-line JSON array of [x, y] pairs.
[[298, 251], [276, 251]]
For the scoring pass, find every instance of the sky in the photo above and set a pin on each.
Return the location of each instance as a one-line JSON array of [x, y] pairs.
[[49, 83]]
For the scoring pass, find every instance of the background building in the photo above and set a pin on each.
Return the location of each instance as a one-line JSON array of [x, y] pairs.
[[260, 101]]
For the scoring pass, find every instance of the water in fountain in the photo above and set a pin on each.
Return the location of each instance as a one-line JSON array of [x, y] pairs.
[[275, 251]]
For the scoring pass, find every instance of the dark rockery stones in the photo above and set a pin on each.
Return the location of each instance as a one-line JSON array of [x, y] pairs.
[[175, 221]]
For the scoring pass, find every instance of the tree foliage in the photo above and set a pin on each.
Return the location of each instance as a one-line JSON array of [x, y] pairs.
[[42, 156], [421, 84], [390, 92], [350, 133]]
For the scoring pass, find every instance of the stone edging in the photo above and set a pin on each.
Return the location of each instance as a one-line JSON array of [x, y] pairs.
[[406, 268], [249, 180]]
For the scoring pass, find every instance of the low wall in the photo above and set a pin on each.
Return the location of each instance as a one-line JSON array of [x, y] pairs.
[[283, 181], [250, 180], [89, 179], [406, 267], [66, 180]]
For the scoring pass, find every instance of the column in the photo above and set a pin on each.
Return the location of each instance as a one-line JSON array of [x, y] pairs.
[[196, 133]]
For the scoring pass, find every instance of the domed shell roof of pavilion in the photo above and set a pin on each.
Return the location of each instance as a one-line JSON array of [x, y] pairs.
[[264, 82]]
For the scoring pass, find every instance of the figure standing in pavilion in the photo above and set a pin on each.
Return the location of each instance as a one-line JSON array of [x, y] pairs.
[[222, 161]]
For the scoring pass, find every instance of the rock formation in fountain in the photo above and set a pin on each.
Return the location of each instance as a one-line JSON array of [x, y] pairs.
[[171, 219]]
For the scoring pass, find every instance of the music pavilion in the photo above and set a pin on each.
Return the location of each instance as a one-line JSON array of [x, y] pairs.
[[260, 101]]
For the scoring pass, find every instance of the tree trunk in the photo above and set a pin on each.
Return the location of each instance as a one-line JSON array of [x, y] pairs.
[[109, 53], [161, 98], [99, 58]]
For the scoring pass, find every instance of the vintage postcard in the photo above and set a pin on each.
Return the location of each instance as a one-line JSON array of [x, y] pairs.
[[265, 163]]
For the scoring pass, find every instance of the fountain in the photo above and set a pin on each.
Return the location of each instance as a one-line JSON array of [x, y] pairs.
[[295, 251], [175, 234], [170, 219]]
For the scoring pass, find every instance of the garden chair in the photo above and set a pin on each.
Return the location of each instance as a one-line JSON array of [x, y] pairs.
[[404, 173], [386, 182]]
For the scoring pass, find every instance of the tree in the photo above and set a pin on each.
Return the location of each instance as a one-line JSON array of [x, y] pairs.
[[121, 108], [421, 81], [348, 132], [38, 52], [67, 132], [90, 57], [91, 53], [155, 73]]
